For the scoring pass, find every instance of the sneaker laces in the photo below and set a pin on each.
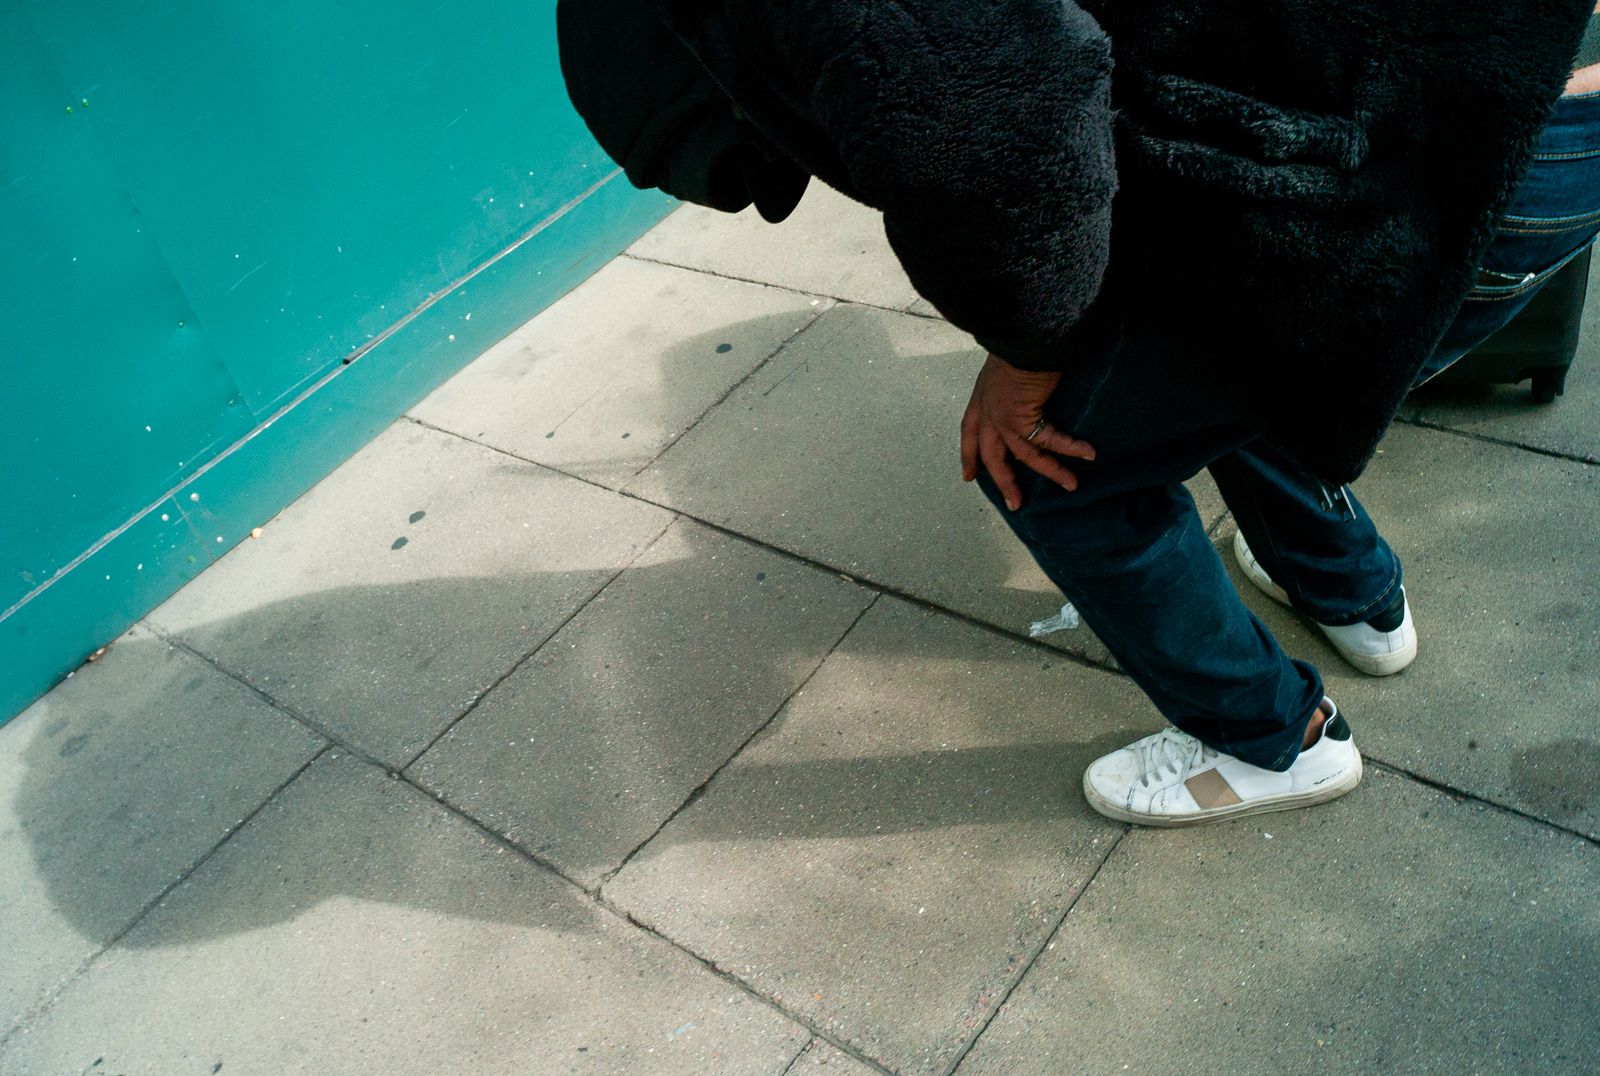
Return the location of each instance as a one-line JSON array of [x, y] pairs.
[[1170, 750]]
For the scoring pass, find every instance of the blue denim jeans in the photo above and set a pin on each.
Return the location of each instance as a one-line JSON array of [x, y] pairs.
[[1131, 553]]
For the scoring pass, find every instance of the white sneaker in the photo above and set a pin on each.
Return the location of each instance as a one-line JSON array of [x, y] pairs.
[[1372, 647], [1172, 779]]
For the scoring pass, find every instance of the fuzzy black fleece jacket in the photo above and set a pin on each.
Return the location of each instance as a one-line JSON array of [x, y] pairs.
[[1305, 186]]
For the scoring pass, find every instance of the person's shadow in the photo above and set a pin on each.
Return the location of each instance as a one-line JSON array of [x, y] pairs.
[[135, 769], [103, 846]]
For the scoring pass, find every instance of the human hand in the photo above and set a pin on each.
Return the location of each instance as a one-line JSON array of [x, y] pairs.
[[1005, 418]]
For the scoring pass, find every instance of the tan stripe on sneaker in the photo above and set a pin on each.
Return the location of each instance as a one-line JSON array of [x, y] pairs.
[[1211, 789]]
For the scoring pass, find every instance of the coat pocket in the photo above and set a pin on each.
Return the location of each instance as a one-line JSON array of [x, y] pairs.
[[1210, 139]]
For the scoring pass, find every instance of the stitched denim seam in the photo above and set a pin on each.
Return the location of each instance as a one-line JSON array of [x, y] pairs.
[[1575, 219], [1573, 155], [1482, 294], [1477, 297], [1543, 231]]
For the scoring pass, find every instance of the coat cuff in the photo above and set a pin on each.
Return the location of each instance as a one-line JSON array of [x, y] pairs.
[[1098, 332]]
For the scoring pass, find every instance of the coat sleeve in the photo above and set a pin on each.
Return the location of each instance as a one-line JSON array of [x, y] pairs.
[[984, 134]]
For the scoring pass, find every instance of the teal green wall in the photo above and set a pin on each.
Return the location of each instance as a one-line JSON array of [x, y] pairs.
[[208, 210]]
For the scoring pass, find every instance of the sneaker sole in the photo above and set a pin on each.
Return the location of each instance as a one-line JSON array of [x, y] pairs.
[[1265, 805], [1371, 664]]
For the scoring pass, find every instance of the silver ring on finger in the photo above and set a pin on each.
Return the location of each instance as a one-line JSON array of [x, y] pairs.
[[1037, 430]]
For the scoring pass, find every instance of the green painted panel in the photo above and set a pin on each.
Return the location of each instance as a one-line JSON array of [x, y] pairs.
[[167, 546], [312, 171], [112, 390], [206, 209]]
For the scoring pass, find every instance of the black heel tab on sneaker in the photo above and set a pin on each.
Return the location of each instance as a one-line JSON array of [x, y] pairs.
[[1393, 615], [1336, 727]]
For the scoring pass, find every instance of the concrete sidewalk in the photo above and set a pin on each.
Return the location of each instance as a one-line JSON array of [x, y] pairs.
[[654, 698]]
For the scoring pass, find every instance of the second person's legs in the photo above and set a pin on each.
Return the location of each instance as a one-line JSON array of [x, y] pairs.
[[1320, 545]]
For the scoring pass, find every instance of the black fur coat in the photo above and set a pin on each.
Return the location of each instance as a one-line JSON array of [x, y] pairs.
[[1308, 183]]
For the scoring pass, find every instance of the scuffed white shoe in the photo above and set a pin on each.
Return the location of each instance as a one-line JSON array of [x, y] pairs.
[[1172, 779], [1372, 647]]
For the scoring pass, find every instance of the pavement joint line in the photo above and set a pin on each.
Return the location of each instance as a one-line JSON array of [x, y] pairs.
[[796, 1059], [778, 384], [595, 899], [801, 558], [38, 1010], [1463, 796], [673, 517], [1422, 423], [1043, 946], [1216, 524], [733, 980], [783, 344], [292, 712], [699, 790], [498, 837], [757, 368], [913, 599], [776, 287]]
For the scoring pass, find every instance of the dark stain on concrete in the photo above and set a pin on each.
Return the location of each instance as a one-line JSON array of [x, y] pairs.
[[1565, 612], [400, 542], [416, 517], [72, 745], [1561, 777]]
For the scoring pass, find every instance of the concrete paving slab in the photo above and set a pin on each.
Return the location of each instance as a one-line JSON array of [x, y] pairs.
[[820, 1057], [1397, 930], [395, 593], [111, 787], [885, 858], [602, 381], [1507, 412], [830, 246], [1503, 574], [357, 926], [845, 449], [582, 753]]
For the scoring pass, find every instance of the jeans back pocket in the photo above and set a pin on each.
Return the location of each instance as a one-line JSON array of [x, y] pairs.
[[1555, 212]]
